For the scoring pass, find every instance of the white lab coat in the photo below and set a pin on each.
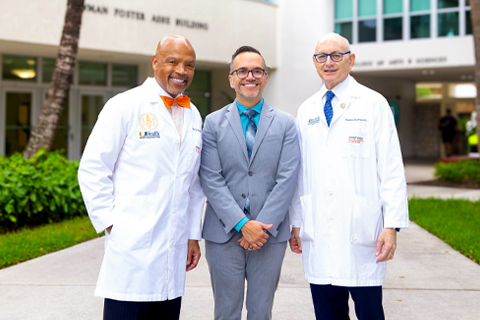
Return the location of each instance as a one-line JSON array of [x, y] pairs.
[[136, 175], [351, 185]]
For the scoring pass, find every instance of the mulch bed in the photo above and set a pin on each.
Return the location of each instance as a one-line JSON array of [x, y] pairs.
[[466, 184]]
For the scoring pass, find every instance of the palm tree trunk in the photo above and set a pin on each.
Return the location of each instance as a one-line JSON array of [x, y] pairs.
[[44, 131], [475, 14]]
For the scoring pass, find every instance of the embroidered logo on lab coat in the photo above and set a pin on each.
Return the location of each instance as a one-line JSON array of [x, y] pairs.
[[314, 121], [149, 135], [197, 149], [148, 122], [353, 139]]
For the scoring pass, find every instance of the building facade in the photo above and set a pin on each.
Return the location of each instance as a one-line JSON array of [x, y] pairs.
[[403, 48]]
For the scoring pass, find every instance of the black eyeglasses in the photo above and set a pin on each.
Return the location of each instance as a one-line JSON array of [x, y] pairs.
[[336, 56], [242, 73]]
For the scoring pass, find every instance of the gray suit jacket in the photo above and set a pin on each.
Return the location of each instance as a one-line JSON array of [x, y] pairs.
[[228, 176]]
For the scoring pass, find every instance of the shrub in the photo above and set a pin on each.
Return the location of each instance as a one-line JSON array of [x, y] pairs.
[[466, 170], [38, 190]]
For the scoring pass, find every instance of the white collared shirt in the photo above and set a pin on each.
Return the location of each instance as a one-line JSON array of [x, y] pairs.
[[175, 111]]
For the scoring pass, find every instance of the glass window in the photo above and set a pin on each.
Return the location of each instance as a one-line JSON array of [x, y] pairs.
[[420, 26], [199, 92], [448, 24], [419, 5], [124, 75], [392, 29], [463, 90], [345, 29], [447, 4], [201, 82], [19, 68], [367, 30], [48, 66], [92, 73], [392, 6], [202, 104], [343, 9], [17, 133], [429, 91], [367, 8], [468, 23]]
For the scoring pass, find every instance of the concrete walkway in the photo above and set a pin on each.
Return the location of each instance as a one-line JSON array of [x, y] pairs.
[[427, 279]]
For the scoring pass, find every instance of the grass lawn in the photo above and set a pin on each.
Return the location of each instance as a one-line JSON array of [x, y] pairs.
[[31, 243], [457, 222]]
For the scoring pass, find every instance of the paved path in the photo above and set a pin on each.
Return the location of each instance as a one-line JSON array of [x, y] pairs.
[[427, 280]]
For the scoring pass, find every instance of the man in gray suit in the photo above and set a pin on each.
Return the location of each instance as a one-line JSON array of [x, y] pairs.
[[248, 171]]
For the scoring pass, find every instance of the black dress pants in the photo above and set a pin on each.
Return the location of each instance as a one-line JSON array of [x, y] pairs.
[[132, 310], [331, 302]]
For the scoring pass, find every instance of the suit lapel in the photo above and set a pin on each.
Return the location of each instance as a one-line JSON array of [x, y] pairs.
[[266, 118], [233, 118]]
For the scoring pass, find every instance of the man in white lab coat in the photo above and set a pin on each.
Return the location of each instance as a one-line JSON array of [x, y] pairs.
[[139, 179], [351, 196]]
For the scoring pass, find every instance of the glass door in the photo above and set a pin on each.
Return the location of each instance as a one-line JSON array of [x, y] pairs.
[[60, 141], [91, 107], [18, 110]]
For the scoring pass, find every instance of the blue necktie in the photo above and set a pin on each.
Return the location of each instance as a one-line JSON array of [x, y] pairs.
[[250, 139], [328, 107]]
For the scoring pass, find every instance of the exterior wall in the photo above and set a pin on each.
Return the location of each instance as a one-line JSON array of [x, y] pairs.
[[414, 54], [126, 27], [301, 23]]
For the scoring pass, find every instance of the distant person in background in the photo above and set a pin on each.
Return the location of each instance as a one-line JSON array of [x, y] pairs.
[[448, 126]]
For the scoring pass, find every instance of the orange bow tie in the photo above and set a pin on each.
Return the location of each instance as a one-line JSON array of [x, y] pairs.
[[182, 101]]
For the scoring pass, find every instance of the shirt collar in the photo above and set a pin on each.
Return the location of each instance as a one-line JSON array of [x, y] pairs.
[[257, 107], [339, 90]]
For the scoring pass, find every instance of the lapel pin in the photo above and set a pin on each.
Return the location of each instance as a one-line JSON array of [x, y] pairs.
[[269, 115], [343, 105]]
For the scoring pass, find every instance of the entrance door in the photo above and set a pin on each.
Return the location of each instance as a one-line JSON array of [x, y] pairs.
[[60, 140], [91, 106], [18, 110]]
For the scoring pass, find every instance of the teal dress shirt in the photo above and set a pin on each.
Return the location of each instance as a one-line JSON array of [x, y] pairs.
[[244, 119]]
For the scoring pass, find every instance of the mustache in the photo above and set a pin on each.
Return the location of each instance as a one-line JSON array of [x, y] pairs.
[[178, 76]]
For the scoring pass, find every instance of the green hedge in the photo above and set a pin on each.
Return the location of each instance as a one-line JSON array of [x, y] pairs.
[[465, 170], [39, 190]]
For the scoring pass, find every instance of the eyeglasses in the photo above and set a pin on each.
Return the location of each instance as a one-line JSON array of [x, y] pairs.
[[336, 56], [242, 73]]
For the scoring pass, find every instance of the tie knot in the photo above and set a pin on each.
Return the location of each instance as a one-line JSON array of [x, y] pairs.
[[250, 113], [330, 95]]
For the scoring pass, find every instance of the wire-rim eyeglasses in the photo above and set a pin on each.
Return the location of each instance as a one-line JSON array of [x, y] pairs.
[[335, 56]]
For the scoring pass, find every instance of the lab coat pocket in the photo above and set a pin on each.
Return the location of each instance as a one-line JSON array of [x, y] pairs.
[[132, 228], [357, 139], [367, 222], [306, 231]]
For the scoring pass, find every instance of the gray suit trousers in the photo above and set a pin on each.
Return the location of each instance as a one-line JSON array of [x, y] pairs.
[[230, 265]]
